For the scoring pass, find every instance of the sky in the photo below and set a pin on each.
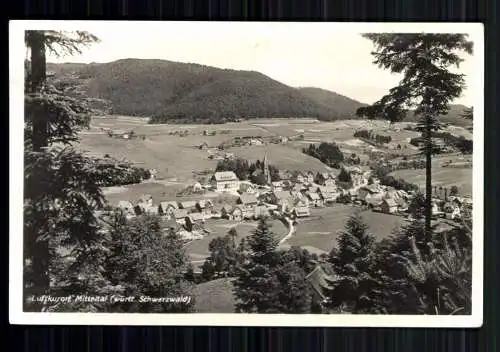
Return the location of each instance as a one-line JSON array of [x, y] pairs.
[[332, 57]]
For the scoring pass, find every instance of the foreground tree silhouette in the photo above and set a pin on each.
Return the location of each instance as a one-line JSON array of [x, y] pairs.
[[268, 281], [60, 195], [145, 261], [354, 261], [427, 85]]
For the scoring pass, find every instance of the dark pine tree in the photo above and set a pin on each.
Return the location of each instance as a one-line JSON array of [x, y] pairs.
[[353, 261], [427, 85]]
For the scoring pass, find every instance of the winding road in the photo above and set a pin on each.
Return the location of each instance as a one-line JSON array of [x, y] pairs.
[[291, 229]]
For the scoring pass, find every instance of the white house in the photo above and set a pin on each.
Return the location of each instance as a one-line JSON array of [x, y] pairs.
[[225, 181]]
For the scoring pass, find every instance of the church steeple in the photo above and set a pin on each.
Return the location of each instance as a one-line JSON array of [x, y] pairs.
[[267, 174]]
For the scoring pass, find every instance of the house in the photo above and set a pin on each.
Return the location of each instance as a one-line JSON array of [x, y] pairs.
[[436, 210], [321, 282], [204, 205], [365, 191], [236, 214], [248, 213], [300, 201], [196, 217], [374, 200], [247, 188], [277, 185], [197, 187], [299, 177], [283, 199], [248, 200], [301, 212], [254, 141], [168, 208], [203, 146], [389, 206], [309, 177], [261, 211], [225, 181], [329, 194], [188, 205], [180, 215], [315, 199]]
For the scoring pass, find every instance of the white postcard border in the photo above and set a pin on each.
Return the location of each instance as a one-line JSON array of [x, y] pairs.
[[16, 173]]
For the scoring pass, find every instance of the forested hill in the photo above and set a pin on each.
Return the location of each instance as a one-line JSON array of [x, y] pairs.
[[177, 92], [344, 105], [182, 92]]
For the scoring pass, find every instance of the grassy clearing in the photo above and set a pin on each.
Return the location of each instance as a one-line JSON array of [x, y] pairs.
[[321, 230], [197, 250], [215, 296], [441, 176]]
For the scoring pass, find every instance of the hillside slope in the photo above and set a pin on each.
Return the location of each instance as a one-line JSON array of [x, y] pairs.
[[345, 106], [177, 92], [171, 91]]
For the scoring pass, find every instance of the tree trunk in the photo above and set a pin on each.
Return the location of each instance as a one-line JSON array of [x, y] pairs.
[[428, 180], [38, 75], [40, 248]]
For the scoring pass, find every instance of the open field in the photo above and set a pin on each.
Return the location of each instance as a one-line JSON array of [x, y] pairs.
[[322, 228], [446, 177], [198, 249], [177, 157], [441, 176]]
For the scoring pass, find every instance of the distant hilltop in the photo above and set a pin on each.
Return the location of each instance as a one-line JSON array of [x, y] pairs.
[[177, 92]]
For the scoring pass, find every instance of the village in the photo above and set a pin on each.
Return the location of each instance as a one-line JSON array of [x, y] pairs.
[[292, 198]]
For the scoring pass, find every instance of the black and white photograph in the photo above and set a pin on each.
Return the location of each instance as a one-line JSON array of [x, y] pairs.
[[232, 173]]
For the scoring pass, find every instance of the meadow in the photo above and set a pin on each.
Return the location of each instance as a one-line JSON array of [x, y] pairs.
[[321, 230], [441, 176], [197, 250]]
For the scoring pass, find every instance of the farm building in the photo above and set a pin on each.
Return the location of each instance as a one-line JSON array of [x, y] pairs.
[[225, 181], [248, 200], [301, 212]]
